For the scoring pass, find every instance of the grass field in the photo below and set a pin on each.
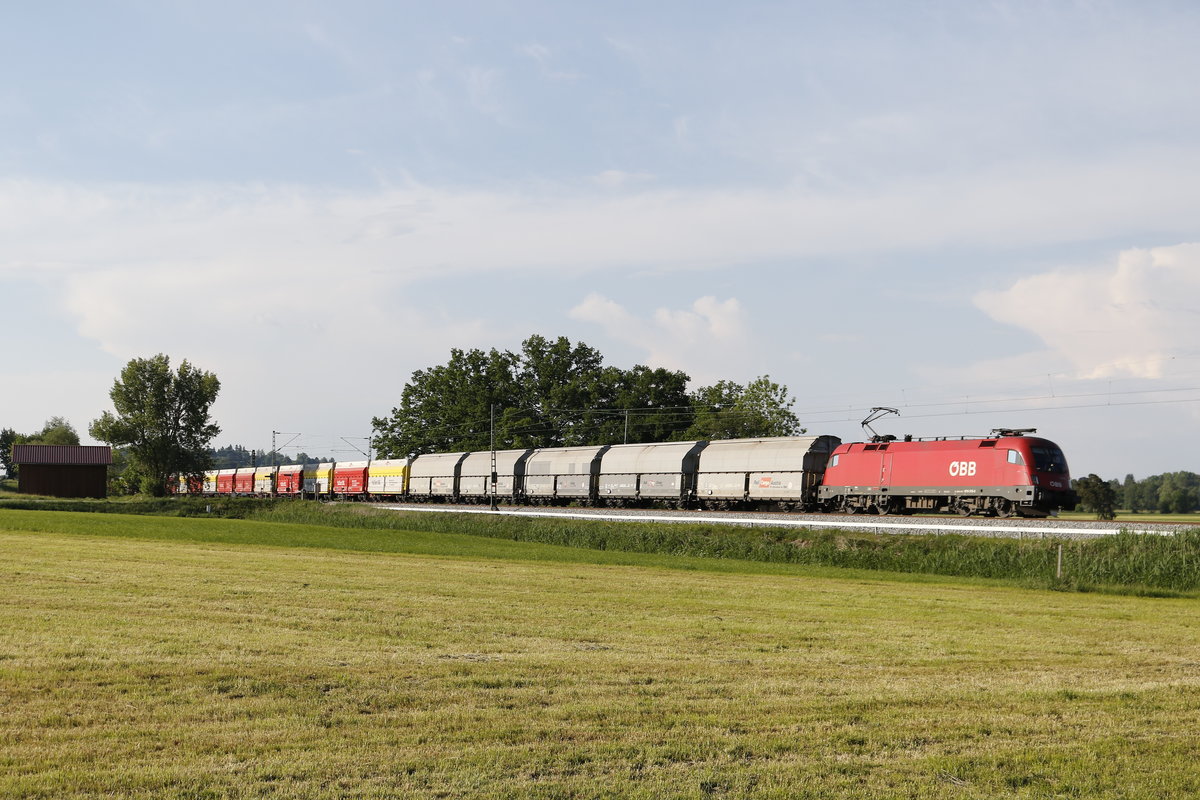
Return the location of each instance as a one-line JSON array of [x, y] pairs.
[[192, 658], [1129, 518]]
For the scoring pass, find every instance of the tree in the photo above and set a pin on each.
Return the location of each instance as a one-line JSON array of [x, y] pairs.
[[446, 407], [8, 438], [233, 456], [1098, 495], [1130, 494], [56, 431], [728, 410], [163, 418], [1148, 490], [552, 393], [1179, 492], [644, 404]]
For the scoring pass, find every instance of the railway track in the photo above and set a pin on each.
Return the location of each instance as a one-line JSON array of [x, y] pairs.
[[972, 526]]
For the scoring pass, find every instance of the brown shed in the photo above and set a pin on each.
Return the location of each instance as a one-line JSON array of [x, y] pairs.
[[62, 470]]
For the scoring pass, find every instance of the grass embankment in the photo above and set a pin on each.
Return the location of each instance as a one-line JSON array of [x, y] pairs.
[[1154, 565], [157, 661], [1131, 518]]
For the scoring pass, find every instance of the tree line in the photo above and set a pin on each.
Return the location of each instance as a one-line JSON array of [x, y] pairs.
[[234, 456], [1168, 493], [549, 393], [553, 393], [56, 431]]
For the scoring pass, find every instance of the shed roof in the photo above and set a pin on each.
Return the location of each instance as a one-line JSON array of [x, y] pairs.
[[74, 455]]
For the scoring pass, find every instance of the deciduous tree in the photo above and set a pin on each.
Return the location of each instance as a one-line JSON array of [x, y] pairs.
[[557, 393], [1097, 495], [56, 431], [8, 438], [728, 410], [163, 418]]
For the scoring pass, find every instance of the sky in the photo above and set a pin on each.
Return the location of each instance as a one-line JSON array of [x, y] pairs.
[[983, 214]]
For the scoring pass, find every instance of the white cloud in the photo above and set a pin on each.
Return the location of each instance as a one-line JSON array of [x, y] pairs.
[[618, 179], [707, 340], [239, 275], [414, 230], [1122, 319]]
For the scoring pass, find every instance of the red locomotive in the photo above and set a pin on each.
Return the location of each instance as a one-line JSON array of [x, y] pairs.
[[1006, 474]]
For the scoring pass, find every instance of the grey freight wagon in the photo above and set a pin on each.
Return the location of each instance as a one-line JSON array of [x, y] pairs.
[[782, 470], [562, 473], [474, 477], [664, 472], [434, 475]]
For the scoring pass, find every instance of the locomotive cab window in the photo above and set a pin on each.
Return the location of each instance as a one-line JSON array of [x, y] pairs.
[[1049, 459], [1014, 457], [834, 461]]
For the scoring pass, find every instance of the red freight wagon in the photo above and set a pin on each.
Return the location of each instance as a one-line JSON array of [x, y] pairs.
[[350, 478], [1001, 475], [225, 481], [243, 481], [186, 484], [290, 480]]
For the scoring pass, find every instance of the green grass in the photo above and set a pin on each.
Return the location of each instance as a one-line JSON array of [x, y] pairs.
[[1129, 518], [184, 658], [1129, 563]]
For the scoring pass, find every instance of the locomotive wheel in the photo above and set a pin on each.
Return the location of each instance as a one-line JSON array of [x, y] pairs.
[[1005, 508], [883, 506]]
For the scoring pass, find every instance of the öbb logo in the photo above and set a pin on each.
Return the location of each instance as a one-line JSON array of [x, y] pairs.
[[962, 469]]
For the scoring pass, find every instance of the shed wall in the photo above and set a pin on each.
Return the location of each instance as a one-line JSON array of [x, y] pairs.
[[63, 480]]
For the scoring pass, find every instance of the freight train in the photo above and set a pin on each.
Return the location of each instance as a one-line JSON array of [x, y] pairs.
[[1008, 473]]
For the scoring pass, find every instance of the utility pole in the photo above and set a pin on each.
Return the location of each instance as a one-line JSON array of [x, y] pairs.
[[275, 457], [492, 493]]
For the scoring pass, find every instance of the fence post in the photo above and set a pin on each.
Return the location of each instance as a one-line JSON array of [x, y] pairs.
[[1059, 572]]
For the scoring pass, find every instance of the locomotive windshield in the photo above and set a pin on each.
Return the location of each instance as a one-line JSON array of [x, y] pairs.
[[1049, 459]]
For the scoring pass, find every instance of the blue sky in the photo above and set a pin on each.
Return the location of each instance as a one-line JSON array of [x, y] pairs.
[[981, 213]]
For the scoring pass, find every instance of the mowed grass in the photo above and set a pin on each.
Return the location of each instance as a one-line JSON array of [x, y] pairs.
[[1129, 518], [169, 667]]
